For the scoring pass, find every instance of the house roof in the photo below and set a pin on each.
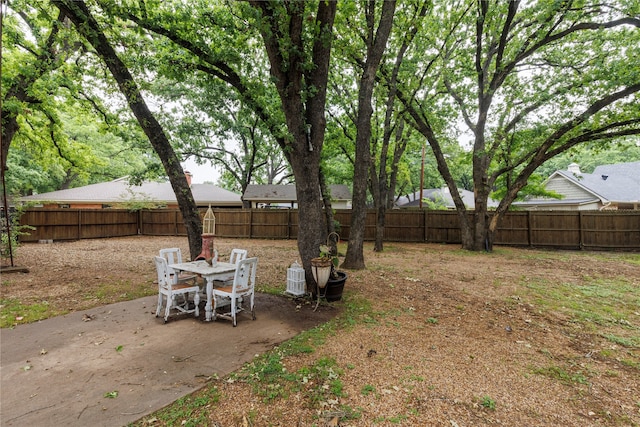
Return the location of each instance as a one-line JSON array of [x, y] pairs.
[[119, 191], [287, 193], [439, 194], [618, 183]]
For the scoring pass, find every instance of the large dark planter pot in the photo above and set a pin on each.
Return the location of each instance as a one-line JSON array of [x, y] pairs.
[[335, 287]]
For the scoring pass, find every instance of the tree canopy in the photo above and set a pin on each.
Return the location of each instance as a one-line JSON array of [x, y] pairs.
[[316, 92]]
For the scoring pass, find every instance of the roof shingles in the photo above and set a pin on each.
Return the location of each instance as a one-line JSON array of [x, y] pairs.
[[119, 190]]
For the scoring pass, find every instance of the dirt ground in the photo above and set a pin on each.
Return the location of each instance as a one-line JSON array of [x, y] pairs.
[[449, 338]]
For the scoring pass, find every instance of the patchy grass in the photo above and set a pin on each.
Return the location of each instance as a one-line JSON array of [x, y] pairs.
[[320, 383], [14, 312], [599, 300], [604, 306], [418, 316], [191, 411], [119, 290], [561, 374]]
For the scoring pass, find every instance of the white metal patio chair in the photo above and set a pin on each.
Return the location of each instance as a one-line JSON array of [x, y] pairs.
[[174, 256], [242, 287], [235, 257], [167, 288]]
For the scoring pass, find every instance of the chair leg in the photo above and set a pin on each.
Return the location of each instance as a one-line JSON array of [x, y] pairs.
[[233, 312], [253, 309], [167, 310], [159, 306], [196, 301], [214, 303]]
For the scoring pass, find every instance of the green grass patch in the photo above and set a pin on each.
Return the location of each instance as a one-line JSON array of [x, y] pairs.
[[122, 290], [191, 411], [319, 383], [14, 312], [533, 254], [631, 258], [367, 389], [629, 342], [632, 363], [269, 379], [488, 403], [603, 301], [562, 375]]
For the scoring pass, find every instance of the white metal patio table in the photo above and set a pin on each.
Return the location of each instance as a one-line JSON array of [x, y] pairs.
[[209, 273]]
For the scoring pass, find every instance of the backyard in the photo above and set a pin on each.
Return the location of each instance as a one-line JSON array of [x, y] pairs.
[[427, 335]]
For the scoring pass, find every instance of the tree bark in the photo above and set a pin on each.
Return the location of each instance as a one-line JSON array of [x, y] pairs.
[[89, 28], [304, 112], [376, 45]]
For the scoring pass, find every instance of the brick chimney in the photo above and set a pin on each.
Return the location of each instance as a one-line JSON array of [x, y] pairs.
[[188, 175]]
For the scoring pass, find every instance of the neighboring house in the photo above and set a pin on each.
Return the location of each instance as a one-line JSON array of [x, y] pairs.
[[609, 187], [284, 196], [441, 196], [118, 192]]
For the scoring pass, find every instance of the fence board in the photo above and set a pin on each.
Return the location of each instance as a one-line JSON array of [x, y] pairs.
[[75, 224], [162, 222], [442, 227], [404, 226], [603, 231], [233, 222], [557, 229], [270, 224], [553, 229], [513, 230]]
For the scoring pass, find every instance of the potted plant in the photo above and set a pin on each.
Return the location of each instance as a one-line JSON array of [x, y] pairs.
[[325, 272], [321, 266]]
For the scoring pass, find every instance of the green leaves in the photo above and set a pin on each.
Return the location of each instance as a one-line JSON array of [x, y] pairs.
[[111, 394]]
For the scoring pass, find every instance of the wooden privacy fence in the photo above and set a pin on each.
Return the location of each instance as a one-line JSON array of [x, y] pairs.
[[619, 230], [75, 224]]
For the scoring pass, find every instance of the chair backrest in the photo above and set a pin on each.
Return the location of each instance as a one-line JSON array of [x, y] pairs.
[[172, 256], [245, 278], [237, 255], [164, 280]]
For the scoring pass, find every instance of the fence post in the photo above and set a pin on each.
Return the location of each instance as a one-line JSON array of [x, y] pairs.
[[529, 238], [425, 235], [175, 223], [79, 224], [581, 232]]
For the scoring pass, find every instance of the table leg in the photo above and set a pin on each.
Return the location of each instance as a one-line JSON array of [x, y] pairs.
[[209, 307]]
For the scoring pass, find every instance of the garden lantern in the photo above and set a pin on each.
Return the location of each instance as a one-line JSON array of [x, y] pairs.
[[295, 280], [208, 233]]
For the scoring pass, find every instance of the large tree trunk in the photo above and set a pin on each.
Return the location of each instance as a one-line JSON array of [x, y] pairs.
[[477, 234], [376, 44], [304, 117], [88, 27]]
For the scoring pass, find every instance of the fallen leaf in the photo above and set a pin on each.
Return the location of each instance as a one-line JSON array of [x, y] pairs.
[[333, 422], [111, 394]]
